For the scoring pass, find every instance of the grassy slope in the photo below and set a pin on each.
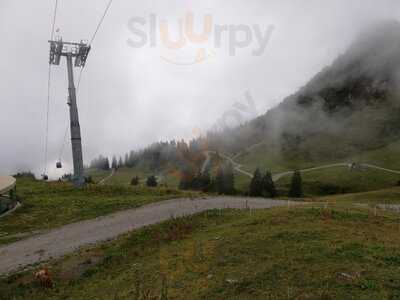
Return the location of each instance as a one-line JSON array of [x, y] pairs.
[[300, 253], [123, 176], [341, 180], [272, 159], [48, 205], [384, 196]]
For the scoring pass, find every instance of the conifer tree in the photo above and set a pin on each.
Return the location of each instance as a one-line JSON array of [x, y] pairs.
[[268, 185], [187, 179], [120, 162], [205, 180], [219, 180], [256, 184], [296, 187], [106, 165], [229, 180], [114, 164]]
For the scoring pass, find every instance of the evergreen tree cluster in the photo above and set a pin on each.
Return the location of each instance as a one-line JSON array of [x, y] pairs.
[[181, 155], [100, 163], [262, 185], [198, 181], [222, 183]]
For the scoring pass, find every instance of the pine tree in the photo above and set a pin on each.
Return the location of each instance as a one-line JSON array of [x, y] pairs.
[[106, 164], [120, 162], [229, 180], [256, 184], [114, 164], [205, 180], [196, 182], [219, 181], [296, 187], [187, 178], [268, 185]]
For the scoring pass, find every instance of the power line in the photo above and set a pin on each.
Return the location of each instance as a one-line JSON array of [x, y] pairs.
[[101, 21], [48, 92]]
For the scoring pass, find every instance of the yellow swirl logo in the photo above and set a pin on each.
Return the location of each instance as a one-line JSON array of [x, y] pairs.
[[182, 44]]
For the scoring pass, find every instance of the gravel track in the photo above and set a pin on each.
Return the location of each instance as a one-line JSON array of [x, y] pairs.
[[69, 238]]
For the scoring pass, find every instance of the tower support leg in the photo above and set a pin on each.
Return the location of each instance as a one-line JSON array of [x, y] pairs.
[[76, 140]]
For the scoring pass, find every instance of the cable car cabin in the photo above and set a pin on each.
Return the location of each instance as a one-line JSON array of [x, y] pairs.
[[59, 165]]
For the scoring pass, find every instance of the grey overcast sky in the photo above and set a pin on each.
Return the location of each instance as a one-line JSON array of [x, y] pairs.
[[131, 97]]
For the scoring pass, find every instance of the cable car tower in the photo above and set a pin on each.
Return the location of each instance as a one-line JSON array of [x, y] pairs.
[[76, 54]]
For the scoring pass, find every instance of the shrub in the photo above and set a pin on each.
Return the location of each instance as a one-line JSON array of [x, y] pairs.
[[151, 181], [135, 181]]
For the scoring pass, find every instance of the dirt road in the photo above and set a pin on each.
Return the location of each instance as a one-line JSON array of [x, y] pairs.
[[64, 240]]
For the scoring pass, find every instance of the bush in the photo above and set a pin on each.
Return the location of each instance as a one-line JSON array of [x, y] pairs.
[[135, 181], [27, 174], [89, 179], [151, 181]]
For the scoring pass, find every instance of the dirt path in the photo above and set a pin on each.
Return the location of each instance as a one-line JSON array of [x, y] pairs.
[[380, 168], [278, 176], [207, 161], [104, 180], [64, 240], [236, 166], [275, 177]]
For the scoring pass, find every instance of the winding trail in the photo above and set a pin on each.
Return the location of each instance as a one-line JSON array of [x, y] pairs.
[[278, 176], [64, 240], [380, 168], [206, 162], [104, 180], [275, 177], [236, 166]]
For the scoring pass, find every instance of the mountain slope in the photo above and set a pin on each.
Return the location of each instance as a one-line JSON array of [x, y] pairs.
[[354, 102]]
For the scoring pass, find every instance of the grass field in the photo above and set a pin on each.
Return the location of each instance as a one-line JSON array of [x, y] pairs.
[[49, 205], [385, 196], [341, 180], [123, 176], [273, 160], [328, 181], [316, 183], [300, 253]]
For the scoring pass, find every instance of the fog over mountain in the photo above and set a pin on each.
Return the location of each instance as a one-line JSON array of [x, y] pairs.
[[130, 97], [350, 106]]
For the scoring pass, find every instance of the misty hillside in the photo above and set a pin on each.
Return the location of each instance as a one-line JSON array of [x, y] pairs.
[[349, 106]]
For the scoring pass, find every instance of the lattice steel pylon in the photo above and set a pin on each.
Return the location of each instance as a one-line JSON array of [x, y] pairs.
[[78, 52]]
